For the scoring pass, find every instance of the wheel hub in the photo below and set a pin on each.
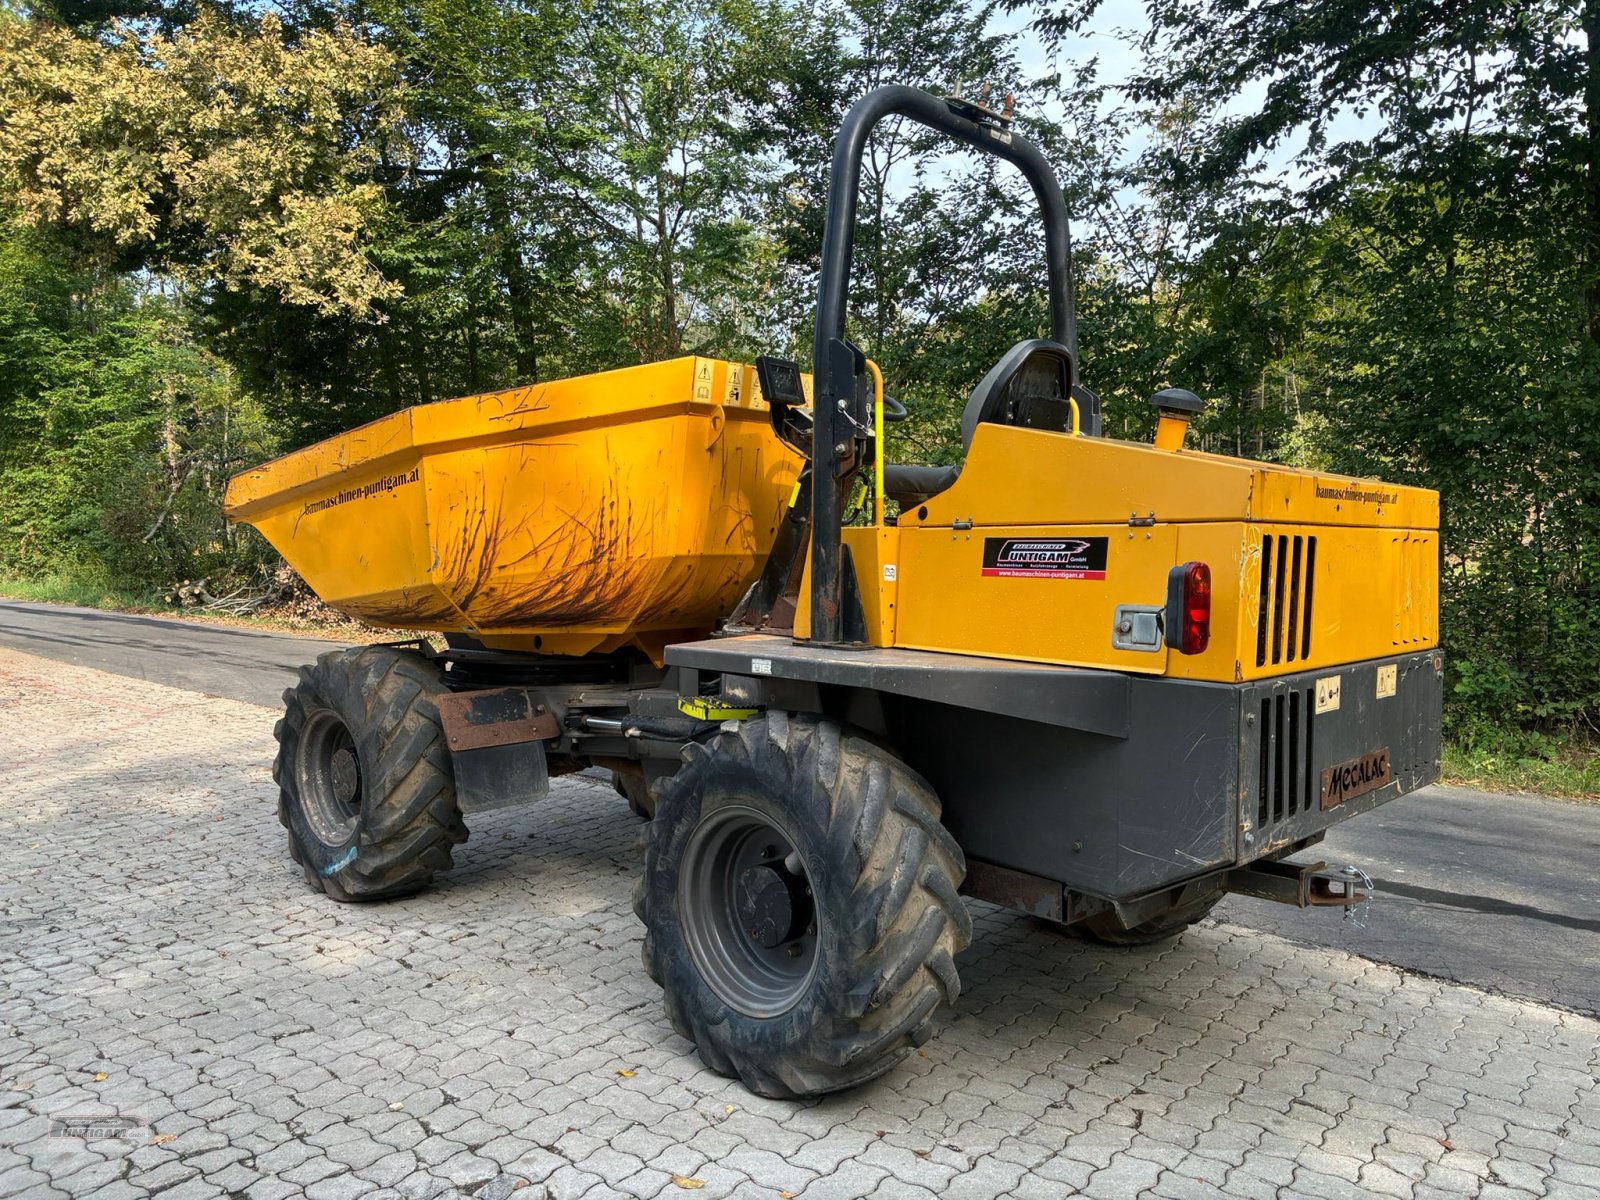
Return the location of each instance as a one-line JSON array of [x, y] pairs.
[[329, 778], [747, 913], [346, 775], [773, 906]]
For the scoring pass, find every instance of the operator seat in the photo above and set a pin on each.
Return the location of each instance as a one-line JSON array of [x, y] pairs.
[[1027, 387]]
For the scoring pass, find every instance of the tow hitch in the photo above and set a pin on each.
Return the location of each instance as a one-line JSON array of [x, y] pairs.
[[1305, 885]]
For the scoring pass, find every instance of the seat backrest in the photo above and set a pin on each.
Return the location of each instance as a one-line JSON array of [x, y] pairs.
[[1029, 386]]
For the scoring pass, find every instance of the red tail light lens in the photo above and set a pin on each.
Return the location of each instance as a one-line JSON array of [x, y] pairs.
[[1189, 607]]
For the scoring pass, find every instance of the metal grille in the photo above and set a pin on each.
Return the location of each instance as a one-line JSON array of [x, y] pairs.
[[1283, 618], [1286, 786]]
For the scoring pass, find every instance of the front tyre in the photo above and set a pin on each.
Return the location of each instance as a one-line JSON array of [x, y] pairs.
[[365, 787], [801, 908]]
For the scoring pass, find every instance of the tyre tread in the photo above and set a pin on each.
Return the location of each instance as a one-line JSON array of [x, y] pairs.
[[405, 836], [881, 821]]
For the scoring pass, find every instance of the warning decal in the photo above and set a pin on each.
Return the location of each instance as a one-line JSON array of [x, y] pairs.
[[1045, 558]]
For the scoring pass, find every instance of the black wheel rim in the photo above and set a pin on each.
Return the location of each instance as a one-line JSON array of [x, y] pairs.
[[747, 913], [330, 778]]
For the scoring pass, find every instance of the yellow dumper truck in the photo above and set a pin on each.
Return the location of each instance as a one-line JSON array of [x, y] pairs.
[[1100, 682]]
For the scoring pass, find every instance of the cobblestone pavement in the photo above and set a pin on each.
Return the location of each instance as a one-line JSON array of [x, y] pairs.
[[161, 962]]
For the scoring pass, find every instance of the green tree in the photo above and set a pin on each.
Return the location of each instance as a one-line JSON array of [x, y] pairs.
[[479, 247], [1438, 292], [220, 153], [667, 182], [948, 250], [117, 430]]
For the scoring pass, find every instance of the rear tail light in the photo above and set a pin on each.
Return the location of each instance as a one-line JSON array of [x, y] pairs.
[[1188, 617]]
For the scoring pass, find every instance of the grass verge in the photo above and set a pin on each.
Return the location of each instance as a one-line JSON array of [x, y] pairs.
[[1562, 765], [85, 591]]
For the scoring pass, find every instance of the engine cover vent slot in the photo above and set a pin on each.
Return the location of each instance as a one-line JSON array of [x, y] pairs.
[[1283, 613]]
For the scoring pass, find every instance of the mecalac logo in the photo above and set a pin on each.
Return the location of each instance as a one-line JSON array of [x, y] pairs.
[[1355, 778], [97, 1126], [1045, 558]]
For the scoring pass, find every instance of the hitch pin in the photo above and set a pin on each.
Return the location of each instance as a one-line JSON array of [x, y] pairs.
[[1356, 876]]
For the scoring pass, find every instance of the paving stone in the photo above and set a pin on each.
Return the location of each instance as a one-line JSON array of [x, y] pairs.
[[340, 1187], [1381, 1180], [193, 1189], [155, 1179], [1125, 1176], [1519, 1175], [448, 1046], [989, 1178], [853, 1183], [119, 1189]]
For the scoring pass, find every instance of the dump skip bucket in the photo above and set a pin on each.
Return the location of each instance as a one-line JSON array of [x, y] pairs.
[[632, 507]]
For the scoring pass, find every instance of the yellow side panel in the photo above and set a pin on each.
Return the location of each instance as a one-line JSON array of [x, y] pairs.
[[1351, 566], [1311, 596], [951, 599], [1362, 594], [1302, 497], [1015, 476], [875, 554]]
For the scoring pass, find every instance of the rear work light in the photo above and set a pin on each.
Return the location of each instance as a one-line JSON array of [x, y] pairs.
[[1188, 616]]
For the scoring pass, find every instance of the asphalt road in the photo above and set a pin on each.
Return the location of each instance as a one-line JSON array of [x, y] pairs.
[[1500, 892], [215, 660]]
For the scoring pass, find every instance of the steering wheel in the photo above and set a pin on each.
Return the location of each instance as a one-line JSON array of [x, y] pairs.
[[893, 410]]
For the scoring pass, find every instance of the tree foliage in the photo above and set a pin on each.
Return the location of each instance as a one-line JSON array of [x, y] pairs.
[[1427, 268], [220, 153], [118, 431]]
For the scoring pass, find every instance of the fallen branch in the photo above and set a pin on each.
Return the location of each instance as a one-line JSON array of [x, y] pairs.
[[196, 593], [172, 495]]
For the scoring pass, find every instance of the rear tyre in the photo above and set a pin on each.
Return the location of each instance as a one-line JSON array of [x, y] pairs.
[[363, 774], [630, 785], [800, 904], [1104, 927]]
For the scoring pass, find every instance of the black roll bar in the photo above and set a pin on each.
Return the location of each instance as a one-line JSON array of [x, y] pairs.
[[833, 288]]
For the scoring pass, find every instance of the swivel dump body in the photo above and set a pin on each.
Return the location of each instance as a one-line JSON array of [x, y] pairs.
[[628, 508]]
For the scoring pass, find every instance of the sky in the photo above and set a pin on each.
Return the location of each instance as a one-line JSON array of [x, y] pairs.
[[1108, 35], [1112, 36]]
